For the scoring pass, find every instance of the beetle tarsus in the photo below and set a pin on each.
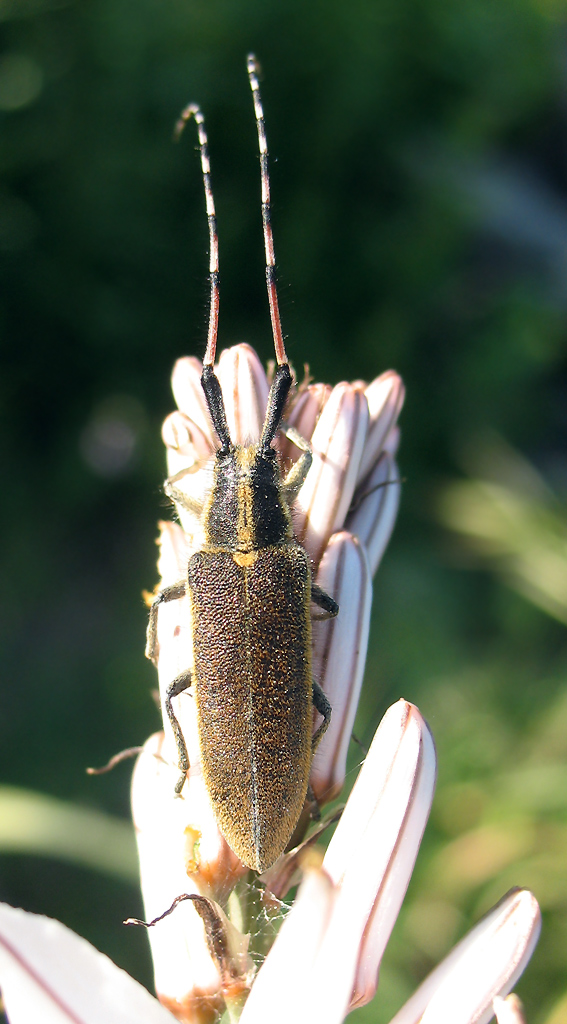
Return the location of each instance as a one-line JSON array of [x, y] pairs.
[[296, 477], [179, 685], [324, 601], [187, 503], [173, 593], [180, 784], [322, 705]]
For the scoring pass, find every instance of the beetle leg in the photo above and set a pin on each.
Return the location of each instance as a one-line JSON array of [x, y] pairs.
[[172, 593], [185, 500], [179, 685], [296, 476], [295, 437], [117, 759], [321, 598], [322, 705]]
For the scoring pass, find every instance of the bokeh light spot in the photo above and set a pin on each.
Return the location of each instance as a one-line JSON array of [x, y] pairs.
[[21, 81]]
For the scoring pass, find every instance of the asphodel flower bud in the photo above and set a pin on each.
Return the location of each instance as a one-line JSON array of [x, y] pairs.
[[352, 432], [339, 655]]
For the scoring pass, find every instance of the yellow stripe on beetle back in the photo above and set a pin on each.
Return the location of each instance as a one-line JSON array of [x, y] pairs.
[[245, 558], [244, 526]]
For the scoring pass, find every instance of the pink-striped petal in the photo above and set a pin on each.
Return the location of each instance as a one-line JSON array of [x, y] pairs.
[[338, 441], [50, 975], [180, 851], [372, 853], [375, 509], [186, 439], [175, 646], [385, 397], [369, 861], [288, 987], [339, 654], [174, 553], [189, 395], [245, 392], [303, 416], [485, 964]]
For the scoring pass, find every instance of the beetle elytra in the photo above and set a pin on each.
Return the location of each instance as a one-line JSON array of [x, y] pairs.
[[250, 590]]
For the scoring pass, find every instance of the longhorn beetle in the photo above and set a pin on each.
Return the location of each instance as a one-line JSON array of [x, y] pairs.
[[250, 589]]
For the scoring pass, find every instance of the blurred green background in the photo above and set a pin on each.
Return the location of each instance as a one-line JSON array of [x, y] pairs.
[[419, 173]]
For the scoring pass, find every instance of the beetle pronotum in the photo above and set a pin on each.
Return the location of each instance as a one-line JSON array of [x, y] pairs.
[[250, 590]]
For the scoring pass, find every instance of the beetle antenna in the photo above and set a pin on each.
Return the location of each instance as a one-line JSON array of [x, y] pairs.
[[209, 381], [253, 72], [194, 111]]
